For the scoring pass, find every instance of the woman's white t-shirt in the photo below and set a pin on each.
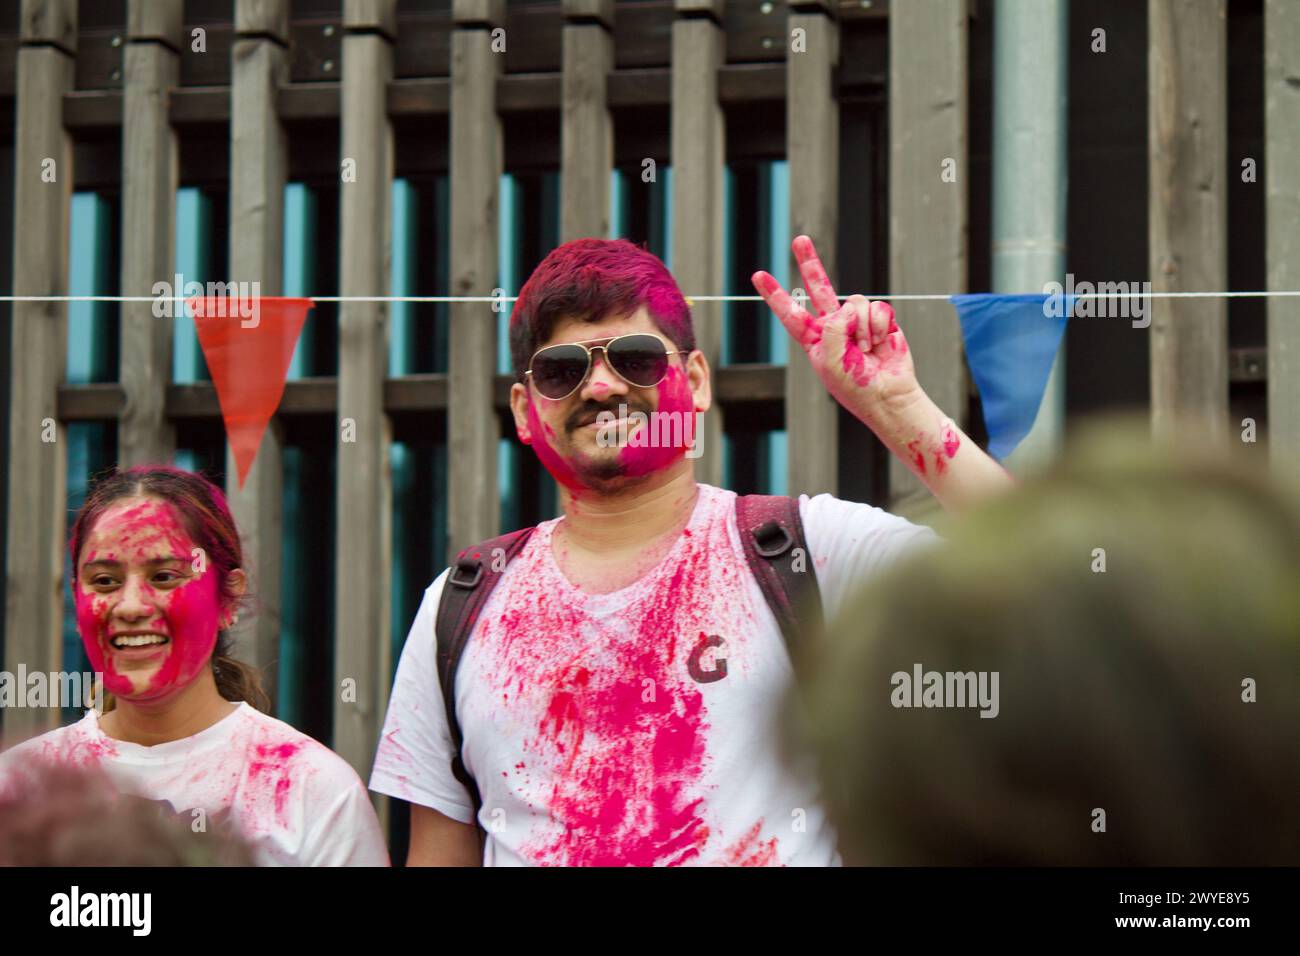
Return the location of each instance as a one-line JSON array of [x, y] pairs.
[[296, 801], [637, 727]]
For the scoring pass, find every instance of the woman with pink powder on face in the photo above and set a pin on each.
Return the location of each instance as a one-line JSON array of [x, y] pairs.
[[157, 581]]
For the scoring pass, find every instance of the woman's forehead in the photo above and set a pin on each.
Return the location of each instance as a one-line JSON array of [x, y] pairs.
[[134, 516]]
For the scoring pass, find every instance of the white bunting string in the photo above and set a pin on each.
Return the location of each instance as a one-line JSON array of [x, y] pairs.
[[930, 297]]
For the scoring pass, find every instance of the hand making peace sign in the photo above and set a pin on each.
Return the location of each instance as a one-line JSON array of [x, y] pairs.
[[856, 348]]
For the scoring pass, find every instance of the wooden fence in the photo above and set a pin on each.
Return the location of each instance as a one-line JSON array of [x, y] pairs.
[[693, 82]]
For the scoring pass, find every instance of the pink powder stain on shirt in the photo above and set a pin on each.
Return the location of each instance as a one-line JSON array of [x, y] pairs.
[[82, 746], [646, 749], [261, 779], [620, 726], [80, 750], [270, 773], [749, 850], [395, 748]]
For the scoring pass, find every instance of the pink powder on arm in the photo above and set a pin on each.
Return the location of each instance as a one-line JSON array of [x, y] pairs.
[[950, 440], [917, 455]]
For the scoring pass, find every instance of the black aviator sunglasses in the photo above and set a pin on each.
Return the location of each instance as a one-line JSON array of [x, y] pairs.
[[640, 359]]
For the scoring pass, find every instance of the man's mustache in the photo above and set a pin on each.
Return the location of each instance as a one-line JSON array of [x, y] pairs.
[[589, 411]]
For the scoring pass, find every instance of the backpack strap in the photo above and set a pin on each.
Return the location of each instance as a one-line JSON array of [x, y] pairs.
[[469, 584], [771, 533]]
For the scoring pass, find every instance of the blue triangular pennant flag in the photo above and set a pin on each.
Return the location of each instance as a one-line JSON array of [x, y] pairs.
[[1011, 341]]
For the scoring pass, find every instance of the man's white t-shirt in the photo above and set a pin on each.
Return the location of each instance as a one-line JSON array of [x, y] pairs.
[[637, 727], [296, 801]]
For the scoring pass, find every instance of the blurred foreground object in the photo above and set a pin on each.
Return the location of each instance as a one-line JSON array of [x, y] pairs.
[[1159, 697], [55, 815]]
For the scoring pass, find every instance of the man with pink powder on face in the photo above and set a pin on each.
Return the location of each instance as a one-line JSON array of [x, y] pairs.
[[619, 692], [157, 581]]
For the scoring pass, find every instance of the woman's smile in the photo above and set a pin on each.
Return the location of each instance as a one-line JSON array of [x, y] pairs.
[[139, 645]]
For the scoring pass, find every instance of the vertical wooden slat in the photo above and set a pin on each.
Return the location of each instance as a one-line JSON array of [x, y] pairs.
[[262, 17], [258, 170], [38, 355], [52, 22], [699, 155], [149, 174], [1188, 215], [476, 165], [812, 146], [586, 128], [377, 15], [928, 217], [158, 21], [364, 492], [1282, 215]]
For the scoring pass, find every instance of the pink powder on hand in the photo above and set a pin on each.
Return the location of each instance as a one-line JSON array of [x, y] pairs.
[[854, 359], [864, 366]]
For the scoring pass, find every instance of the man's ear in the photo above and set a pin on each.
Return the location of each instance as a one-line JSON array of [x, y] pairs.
[[700, 379], [519, 409]]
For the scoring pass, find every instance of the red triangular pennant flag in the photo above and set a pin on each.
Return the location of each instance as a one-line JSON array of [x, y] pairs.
[[248, 344]]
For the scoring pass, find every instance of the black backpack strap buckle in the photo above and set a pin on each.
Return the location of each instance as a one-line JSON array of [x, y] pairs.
[[771, 539], [467, 573]]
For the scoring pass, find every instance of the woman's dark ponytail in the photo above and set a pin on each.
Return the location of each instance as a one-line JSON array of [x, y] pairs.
[[235, 679]]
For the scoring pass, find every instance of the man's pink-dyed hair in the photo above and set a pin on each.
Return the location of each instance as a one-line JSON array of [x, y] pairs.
[[592, 279]]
